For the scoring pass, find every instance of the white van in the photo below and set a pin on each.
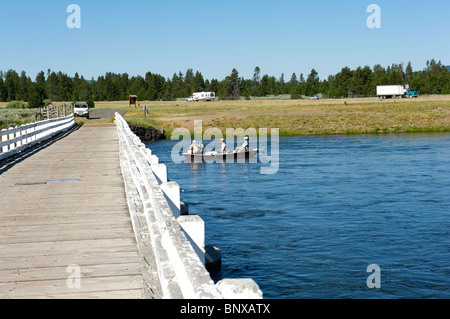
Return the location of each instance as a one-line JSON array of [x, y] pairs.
[[81, 109]]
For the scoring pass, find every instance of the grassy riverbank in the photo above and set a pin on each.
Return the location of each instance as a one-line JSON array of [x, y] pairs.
[[295, 117], [352, 116]]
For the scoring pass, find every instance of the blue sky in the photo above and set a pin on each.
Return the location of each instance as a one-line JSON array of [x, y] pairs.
[[213, 37]]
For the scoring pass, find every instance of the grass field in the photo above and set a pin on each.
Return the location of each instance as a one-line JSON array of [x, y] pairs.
[[303, 117], [296, 117]]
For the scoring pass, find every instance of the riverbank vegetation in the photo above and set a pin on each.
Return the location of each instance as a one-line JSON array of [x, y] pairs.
[[299, 117], [15, 117]]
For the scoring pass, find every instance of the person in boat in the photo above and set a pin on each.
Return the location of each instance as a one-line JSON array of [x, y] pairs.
[[194, 148], [223, 146], [244, 146]]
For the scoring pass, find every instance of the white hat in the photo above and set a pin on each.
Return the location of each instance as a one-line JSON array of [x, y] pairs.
[[246, 138], [194, 141]]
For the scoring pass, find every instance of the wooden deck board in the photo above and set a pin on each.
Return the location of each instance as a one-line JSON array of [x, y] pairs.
[[65, 205]]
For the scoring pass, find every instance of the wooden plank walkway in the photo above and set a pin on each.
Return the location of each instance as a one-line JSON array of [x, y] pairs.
[[64, 206]]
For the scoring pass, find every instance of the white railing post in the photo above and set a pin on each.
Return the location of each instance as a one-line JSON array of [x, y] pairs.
[[160, 171], [171, 191], [11, 137], [194, 228], [4, 139]]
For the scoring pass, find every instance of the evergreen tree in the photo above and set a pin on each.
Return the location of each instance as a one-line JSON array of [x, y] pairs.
[[408, 73], [312, 83], [2, 89], [151, 93], [51, 86], [64, 88], [301, 79], [188, 78], [265, 89], [35, 100], [229, 88], [214, 86], [295, 92], [293, 79], [256, 76], [12, 85], [198, 83], [138, 87], [24, 84], [433, 79], [234, 83], [176, 86]]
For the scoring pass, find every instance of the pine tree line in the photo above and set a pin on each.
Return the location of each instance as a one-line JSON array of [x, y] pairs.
[[433, 79]]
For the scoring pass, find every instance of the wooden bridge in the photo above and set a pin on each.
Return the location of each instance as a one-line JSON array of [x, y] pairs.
[[65, 226], [88, 212]]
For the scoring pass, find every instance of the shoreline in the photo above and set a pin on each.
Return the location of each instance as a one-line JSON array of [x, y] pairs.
[[299, 117], [167, 135]]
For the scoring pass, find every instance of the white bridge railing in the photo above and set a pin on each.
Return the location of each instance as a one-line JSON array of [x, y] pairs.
[[15, 140], [171, 246]]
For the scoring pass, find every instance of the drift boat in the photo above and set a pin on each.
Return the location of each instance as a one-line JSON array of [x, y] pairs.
[[219, 155]]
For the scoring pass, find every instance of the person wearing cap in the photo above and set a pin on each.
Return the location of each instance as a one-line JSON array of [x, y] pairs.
[[244, 146], [194, 149], [223, 146]]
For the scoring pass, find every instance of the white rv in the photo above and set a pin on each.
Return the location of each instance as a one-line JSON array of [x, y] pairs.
[[202, 96]]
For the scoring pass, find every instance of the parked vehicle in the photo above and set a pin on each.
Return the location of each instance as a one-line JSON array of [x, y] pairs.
[[314, 97], [81, 109], [204, 96], [411, 93], [191, 99], [392, 91]]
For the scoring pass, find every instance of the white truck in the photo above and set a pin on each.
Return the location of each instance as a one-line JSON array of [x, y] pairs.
[[201, 96], [392, 91]]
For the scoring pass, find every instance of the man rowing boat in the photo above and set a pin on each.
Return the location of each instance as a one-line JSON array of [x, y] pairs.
[[194, 148], [243, 147], [223, 146]]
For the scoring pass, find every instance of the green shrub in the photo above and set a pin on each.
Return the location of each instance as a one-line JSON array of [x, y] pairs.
[[15, 117], [47, 102], [16, 105], [90, 102]]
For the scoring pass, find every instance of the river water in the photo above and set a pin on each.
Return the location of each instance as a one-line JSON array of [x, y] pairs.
[[336, 205]]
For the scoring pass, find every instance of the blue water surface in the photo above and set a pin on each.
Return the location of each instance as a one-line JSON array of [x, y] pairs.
[[336, 205]]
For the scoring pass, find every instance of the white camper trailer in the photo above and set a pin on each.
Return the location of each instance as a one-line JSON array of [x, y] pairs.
[[202, 96]]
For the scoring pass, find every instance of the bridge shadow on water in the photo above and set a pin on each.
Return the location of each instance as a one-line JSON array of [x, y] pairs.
[[15, 159]]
